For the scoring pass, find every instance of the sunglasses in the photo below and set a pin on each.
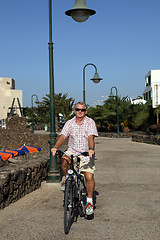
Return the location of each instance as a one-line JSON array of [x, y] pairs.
[[79, 109]]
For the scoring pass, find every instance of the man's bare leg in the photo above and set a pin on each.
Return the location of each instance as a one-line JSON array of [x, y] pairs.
[[65, 164], [90, 183]]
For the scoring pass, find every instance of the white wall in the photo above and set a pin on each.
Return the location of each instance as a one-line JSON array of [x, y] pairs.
[[154, 87], [7, 94], [155, 84]]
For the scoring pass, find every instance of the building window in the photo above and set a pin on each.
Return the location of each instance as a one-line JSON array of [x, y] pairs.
[[149, 94], [149, 80], [144, 97]]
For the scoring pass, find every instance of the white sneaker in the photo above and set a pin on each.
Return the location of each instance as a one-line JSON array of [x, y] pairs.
[[63, 186], [89, 209]]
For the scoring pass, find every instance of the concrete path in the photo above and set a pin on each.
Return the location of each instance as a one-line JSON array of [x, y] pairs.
[[127, 204]]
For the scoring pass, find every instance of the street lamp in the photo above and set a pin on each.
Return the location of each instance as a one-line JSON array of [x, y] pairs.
[[80, 9], [111, 95], [80, 12], [95, 79], [34, 95]]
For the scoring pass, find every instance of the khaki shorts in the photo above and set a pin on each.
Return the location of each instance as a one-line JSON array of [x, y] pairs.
[[87, 166]]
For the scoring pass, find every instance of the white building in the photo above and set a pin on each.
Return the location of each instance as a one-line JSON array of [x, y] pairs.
[[9, 97], [138, 101], [152, 87]]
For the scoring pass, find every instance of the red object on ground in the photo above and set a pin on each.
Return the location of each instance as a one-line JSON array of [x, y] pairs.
[[5, 156], [11, 151]]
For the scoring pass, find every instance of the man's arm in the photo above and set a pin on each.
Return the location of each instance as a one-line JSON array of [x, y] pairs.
[[59, 142], [91, 144]]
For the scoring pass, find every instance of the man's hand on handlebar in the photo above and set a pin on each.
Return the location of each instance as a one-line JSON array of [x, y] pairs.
[[54, 150], [91, 153]]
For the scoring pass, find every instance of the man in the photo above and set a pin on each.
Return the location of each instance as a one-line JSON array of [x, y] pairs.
[[81, 131]]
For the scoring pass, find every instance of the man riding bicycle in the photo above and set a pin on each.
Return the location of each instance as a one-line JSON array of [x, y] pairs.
[[81, 131]]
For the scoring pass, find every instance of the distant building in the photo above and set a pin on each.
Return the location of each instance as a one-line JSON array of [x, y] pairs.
[[138, 101], [10, 98], [152, 87]]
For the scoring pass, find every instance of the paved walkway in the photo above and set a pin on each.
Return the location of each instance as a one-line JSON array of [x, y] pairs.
[[127, 207]]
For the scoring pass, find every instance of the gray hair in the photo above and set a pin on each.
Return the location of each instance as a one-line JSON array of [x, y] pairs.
[[81, 103]]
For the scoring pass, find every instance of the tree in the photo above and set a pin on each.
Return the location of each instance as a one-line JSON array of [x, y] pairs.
[[144, 116], [96, 114], [63, 105], [133, 116], [104, 116]]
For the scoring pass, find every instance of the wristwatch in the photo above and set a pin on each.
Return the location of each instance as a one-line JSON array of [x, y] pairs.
[[91, 148]]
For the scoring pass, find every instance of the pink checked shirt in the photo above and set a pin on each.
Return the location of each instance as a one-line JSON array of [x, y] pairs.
[[78, 135]]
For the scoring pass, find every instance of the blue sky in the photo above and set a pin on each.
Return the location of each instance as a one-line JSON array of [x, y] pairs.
[[122, 39]]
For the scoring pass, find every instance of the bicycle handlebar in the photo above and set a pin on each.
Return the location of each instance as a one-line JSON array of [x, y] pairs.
[[60, 152]]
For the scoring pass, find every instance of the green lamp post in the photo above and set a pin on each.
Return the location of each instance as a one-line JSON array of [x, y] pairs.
[[111, 95], [34, 95], [96, 78], [79, 13]]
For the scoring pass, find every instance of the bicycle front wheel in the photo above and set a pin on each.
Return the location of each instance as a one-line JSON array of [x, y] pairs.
[[68, 205]]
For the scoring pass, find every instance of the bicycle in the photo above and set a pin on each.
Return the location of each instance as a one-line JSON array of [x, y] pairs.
[[75, 192]]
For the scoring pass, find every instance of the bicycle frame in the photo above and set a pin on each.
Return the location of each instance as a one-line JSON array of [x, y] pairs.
[[80, 178], [74, 194]]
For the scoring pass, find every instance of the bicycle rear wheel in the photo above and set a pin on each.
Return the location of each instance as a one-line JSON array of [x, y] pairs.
[[83, 194], [68, 205]]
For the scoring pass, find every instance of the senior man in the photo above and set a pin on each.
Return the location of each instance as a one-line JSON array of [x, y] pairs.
[[81, 132]]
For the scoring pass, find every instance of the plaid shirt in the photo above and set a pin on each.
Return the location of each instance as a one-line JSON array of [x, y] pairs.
[[78, 135]]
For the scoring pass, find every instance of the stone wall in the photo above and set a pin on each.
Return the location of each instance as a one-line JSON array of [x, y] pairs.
[[21, 178], [22, 174], [17, 134], [150, 139], [114, 134]]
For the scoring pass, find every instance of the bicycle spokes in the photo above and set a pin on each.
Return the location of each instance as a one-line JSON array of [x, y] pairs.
[[68, 206]]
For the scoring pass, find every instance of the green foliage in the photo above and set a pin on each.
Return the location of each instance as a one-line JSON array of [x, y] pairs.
[[96, 114], [144, 116], [63, 105], [133, 116]]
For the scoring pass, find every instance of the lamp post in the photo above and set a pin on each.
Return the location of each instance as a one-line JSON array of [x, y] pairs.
[[79, 13], [111, 95], [34, 95], [95, 79]]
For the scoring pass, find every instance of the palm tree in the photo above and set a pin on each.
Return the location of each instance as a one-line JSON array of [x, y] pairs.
[[137, 117], [96, 114], [68, 107], [63, 105], [144, 116]]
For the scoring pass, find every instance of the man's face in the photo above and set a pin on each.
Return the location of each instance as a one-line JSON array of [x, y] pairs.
[[80, 110]]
